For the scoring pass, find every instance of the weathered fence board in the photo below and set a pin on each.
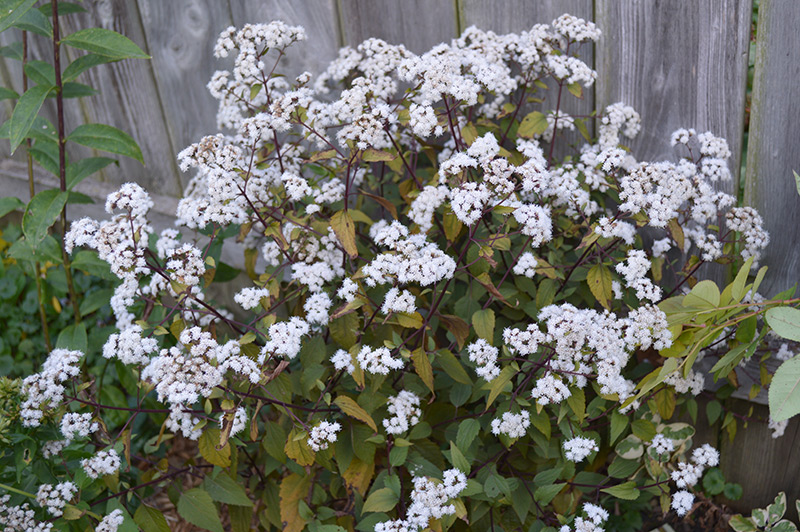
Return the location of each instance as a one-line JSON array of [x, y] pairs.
[[183, 64], [679, 64], [318, 17], [417, 24], [773, 152], [520, 15]]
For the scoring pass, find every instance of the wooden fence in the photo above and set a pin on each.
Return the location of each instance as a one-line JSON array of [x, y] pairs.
[[680, 63]]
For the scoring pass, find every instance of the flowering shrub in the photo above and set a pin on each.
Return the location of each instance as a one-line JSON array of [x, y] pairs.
[[442, 319]]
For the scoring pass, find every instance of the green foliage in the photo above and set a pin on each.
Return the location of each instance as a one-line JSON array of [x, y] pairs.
[[769, 518]]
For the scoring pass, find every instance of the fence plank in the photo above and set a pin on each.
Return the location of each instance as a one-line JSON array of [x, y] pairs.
[[772, 151], [181, 35], [417, 24], [129, 100], [520, 15], [679, 64], [318, 17]]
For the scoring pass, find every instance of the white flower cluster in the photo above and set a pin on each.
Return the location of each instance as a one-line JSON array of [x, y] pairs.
[[111, 522], [55, 498], [348, 290], [101, 464], [129, 346], [238, 420], [75, 425], [484, 356], [423, 207], [682, 502], [343, 361], [595, 517], [323, 435], [20, 518], [378, 361], [694, 382], [662, 445], [398, 301], [526, 265], [512, 425], [578, 448], [285, 338], [406, 412], [749, 224], [46, 388], [428, 501], [413, 260], [634, 269], [317, 308], [250, 297]]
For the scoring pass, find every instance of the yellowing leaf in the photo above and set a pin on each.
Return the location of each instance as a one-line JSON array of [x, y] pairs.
[[354, 410], [381, 500], [457, 327], [533, 124], [483, 322], [209, 441], [345, 229], [297, 447], [371, 155], [359, 475], [599, 280], [498, 383], [422, 365], [293, 489]]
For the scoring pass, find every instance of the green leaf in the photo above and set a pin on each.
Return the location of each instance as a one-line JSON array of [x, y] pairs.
[[621, 468], [42, 212], [197, 507], [625, 491], [498, 383], [643, 429], [458, 459], [73, 337], [10, 203], [208, 443], [95, 300], [742, 524], [105, 42], [785, 322], [150, 519], [737, 287], [381, 500], [80, 170], [13, 10], [35, 22], [64, 8], [545, 494], [784, 391], [453, 367], [576, 89], [345, 230], [88, 262], [78, 90], [796, 181], [82, 64], [577, 403], [371, 155], [599, 280], [47, 249], [468, 429], [483, 322], [733, 491], [25, 113], [223, 488], [344, 330], [713, 481], [533, 124], [8, 94], [704, 295], [106, 138]]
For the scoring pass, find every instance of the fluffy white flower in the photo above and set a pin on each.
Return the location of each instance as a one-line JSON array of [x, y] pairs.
[[343, 361], [323, 435], [484, 356], [578, 448], [687, 474], [513, 425], [682, 502], [705, 456], [405, 411], [249, 298], [378, 361], [111, 522], [397, 300], [526, 265], [54, 498]]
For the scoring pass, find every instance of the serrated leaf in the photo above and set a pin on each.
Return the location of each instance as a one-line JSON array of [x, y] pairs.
[[382, 500], [41, 213], [208, 443], [453, 367], [197, 507], [297, 447], [545, 494], [784, 391], [25, 113], [354, 410], [345, 230], [106, 138], [599, 280], [458, 459], [150, 519], [785, 322], [106, 43], [36, 22], [82, 64], [619, 423], [223, 488]]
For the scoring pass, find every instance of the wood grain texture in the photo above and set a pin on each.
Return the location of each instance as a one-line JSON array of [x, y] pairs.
[[773, 151], [516, 16], [180, 36], [762, 465], [679, 64], [129, 100], [318, 17], [417, 24]]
